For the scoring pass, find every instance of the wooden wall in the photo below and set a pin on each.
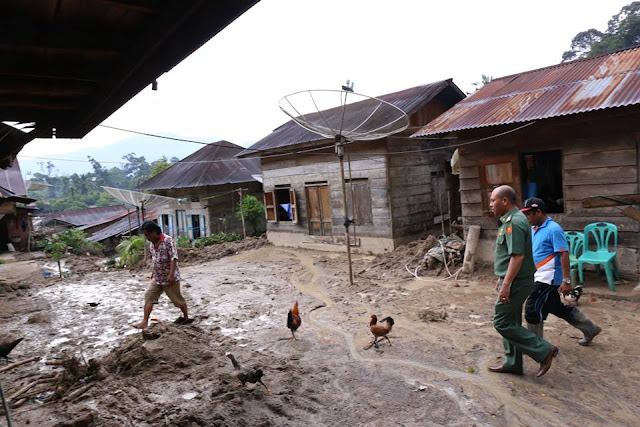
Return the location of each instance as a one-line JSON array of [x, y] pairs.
[[599, 157], [367, 161], [413, 200]]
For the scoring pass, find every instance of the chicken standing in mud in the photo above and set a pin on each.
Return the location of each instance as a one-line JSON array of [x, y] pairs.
[[294, 321], [380, 331], [165, 276]]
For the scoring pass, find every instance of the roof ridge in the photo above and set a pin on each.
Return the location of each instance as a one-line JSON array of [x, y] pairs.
[[563, 64]]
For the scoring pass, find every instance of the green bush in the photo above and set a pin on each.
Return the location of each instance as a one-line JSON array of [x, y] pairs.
[[3, 261], [76, 241], [56, 250], [253, 211], [131, 251], [215, 239], [183, 242]]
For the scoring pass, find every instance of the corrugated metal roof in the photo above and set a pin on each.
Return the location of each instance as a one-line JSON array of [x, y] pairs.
[[291, 134], [201, 169], [122, 226], [605, 81], [80, 217], [11, 179]]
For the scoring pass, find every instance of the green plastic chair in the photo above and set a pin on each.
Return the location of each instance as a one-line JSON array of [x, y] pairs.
[[575, 240], [604, 235]]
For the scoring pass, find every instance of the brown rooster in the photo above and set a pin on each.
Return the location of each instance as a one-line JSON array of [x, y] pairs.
[[293, 320], [380, 331]]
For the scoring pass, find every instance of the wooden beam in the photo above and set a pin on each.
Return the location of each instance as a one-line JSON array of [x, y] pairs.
[[600, 202], [56, 50], [45, 88]]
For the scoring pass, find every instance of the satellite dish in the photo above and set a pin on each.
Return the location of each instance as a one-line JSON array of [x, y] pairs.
[[344, 116], [138, 199]]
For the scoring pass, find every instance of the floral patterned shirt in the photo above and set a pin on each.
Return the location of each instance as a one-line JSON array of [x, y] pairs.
[[162, 257]]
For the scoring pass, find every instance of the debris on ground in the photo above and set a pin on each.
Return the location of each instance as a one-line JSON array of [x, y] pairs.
[[432, 315], [212, 252]]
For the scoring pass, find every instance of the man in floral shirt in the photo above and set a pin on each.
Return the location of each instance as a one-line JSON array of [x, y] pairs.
[[165, 275]]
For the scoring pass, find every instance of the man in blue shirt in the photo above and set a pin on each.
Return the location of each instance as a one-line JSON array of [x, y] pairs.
[[551, 256]]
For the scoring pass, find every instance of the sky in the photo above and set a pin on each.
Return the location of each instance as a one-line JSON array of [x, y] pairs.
[[229, 88]]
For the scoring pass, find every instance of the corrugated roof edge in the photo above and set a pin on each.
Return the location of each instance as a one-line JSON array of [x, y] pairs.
[[311, 141]]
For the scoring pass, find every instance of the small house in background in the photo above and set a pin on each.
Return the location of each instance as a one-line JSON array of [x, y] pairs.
[[206, 184], [561, 133], [89, 219], [15, 219], [392, 198]]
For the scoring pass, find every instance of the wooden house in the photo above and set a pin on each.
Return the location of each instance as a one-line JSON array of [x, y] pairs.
[[391, 198], [562, 133], [15, 209], [205, 186]]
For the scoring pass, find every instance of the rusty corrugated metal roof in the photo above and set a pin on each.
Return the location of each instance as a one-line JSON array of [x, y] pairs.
[[80, 217], [214, 164], [122, 226], [291, 134], [605, 81]]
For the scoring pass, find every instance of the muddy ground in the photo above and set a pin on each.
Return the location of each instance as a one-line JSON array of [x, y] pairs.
[[434, 374]]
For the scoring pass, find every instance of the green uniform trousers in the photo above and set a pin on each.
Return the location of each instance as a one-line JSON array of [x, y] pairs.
[[507, 320]]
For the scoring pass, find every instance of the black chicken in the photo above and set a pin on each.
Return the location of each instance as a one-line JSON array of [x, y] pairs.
[[247, 375], [5, 348]]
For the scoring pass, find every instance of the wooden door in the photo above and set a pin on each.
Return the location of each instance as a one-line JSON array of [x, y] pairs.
[[319, 208], [496, 171]]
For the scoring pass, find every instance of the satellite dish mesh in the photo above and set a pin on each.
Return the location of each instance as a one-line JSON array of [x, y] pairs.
[[333, 113], [137, 198]]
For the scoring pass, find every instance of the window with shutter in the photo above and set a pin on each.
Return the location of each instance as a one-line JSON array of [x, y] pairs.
[[496, 171], [270, 206]]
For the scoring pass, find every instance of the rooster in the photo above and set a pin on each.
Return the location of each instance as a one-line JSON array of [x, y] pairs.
[[380, 331], [246, 375], [294, 321], [6, 348]]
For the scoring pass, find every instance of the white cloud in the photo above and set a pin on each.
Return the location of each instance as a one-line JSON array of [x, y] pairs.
[[230, 87]]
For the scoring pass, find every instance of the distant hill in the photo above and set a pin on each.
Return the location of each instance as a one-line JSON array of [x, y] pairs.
[[151, 148]]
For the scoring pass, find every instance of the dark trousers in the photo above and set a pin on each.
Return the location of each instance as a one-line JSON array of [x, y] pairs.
[[543, 300]]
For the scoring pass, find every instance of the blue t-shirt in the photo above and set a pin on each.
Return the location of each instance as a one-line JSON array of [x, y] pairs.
[[548, 240]]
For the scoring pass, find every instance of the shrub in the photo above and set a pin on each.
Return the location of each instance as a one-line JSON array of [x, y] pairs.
[[183, 242], [131, 251], [76, 241], [56, 250], [215, 239], [253, 211]]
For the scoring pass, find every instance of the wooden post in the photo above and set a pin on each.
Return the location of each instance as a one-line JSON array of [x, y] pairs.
[[244, 230], [473, 235]]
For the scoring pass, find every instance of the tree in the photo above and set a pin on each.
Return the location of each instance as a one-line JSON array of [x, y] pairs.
[[159, 166], [484, 80], [623, 31], [253, 211], [136, 167]]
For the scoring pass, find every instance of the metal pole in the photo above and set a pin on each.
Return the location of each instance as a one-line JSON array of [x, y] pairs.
[[244, 230], [129, 216], [353, 207], [347, 222], [5, 405], [138, 217]]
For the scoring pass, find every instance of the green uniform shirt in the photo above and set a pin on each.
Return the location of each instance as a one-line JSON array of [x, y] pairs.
[[514, 238]]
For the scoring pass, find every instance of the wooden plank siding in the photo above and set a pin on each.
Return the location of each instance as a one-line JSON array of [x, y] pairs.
[[604, 163], [410, 184], [300, 170]]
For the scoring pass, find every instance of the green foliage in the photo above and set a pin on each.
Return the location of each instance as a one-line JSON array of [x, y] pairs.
[[623, 31], [484, 80], [183, 242], [56, 250], [253, 211], [75, 241], [215, 239], [131, 251], [111, 262], [159, 166], [80, 191], [3, 261]]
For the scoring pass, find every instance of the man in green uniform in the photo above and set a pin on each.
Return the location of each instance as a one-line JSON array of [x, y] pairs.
[[513, 264]]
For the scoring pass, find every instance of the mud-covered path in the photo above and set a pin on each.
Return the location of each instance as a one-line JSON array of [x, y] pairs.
[[434, 374]]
